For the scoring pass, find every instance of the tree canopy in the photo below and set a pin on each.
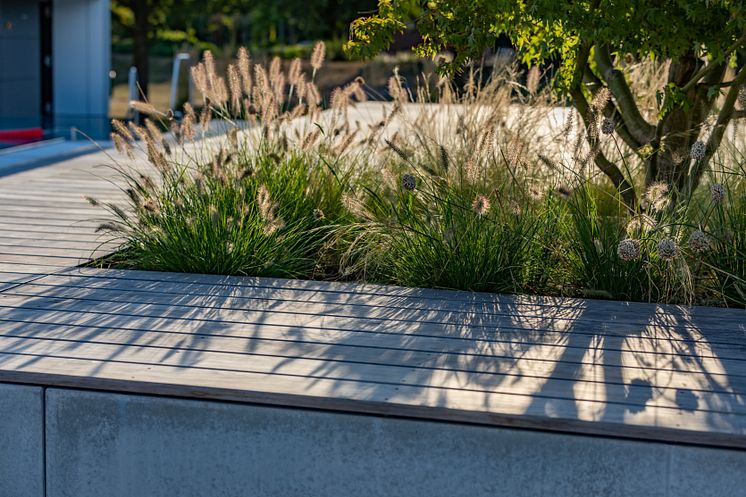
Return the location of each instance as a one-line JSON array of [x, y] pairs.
[[700, 37]]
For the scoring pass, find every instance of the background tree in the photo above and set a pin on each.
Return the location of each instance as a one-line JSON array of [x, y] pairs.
[[141, 18], [591, 38]]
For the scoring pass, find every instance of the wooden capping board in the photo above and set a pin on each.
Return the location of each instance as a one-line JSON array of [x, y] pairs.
[[643, 371]]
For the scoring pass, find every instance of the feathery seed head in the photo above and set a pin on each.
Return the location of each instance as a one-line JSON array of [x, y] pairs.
[[122, 129], [244, 68], [640, 225], [294, 71], [151, 206], [656, 196], [318, 55], [480, 205], [146, 108]]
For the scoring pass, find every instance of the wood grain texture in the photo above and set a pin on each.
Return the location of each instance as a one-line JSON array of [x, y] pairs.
[[643, 371]]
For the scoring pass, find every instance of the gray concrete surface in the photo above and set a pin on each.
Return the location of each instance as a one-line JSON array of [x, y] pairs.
[[123, 445], [21, 441]]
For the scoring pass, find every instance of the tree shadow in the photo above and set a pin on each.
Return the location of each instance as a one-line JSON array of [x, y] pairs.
[[486, 357]]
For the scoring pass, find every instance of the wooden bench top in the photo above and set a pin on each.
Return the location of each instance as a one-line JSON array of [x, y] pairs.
[[596, 367]]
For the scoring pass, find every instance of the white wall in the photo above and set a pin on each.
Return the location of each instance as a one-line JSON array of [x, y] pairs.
[[81, 55]]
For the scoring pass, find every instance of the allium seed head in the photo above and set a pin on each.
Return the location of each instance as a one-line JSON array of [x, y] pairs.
[[698, 150], [717, 192], [607, 126], [699, 242], [408, 182], [628, 249], [667, 249]]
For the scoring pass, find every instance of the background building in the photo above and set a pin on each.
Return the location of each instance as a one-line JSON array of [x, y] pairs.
[[54, 66]]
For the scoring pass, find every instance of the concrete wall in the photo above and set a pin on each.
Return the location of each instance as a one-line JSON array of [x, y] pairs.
[[100, 444], [123, 445], [81, 53], [20, 64], [21, 441]]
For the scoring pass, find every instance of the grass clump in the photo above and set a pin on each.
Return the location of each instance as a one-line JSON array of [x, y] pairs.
[[476, 193]]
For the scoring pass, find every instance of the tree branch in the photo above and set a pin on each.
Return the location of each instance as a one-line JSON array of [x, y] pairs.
[[723, 119], [709, 67], [594, 84], [626, 190], [638, 127]]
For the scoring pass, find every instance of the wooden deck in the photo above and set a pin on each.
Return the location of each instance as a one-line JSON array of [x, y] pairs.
[[608, 368]]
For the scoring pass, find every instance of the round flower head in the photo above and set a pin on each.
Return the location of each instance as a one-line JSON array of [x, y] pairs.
[[408, 182], [717, 192], [667, 249], [481, 205], [698, 150], [699, 242], [318, 214], [607, 126], [628, 249]]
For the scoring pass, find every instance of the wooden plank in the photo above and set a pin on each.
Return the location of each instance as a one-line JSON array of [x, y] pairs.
[[371, 373], [525, 389], [572, 347], [645, 355], [26, 268], [629, 309], [82, 370], [82, 212], [75, 254], [479, 314], [13, 277], [62, 234], [52, 262], [50, 226], [366, 316], [41, 243], [487, 371]]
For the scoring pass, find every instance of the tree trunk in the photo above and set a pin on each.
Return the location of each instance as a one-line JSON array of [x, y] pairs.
[[140, 38], [680, 128]]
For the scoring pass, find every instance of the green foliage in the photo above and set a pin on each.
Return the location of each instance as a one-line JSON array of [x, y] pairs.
[[547, 29], [264, 23], [427, 203], [253, 215], [446, 232]]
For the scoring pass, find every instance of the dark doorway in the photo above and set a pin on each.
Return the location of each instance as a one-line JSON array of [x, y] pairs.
[[45, 17]]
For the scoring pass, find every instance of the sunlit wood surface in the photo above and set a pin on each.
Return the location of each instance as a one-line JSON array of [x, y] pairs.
[[597, 367]]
